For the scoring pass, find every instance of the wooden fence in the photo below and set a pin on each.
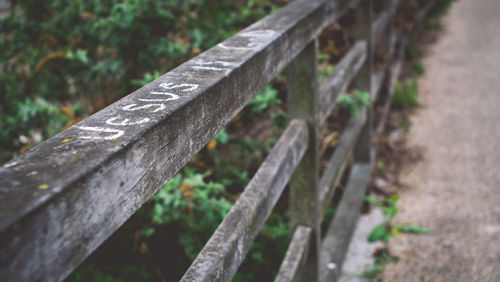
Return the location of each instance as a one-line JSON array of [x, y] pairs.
[[62, 199]]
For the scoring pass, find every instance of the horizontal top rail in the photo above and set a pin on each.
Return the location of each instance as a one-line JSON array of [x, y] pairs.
[[103, 169]]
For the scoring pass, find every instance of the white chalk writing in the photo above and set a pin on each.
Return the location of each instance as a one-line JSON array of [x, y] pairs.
[[117, 133], [156, 106], [170, 85], [215, 65], [255, 40], [112, 121], [134, 107]]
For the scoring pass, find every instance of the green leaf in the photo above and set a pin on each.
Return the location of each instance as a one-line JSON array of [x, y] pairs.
[[412, 228], [379, 233], [222, 137], [372, 200], [394, 198], [265, 99], [390, 211]]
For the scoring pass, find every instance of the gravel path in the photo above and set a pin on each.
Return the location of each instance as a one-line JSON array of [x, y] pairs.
[[455, 190]]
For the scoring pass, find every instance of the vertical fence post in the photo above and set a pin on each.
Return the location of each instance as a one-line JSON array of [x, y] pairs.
[[302, 100], [363, 81]]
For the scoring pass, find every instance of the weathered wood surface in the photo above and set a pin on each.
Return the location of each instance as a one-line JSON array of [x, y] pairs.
[[363, 81], [303, 103], [394, 73], [62, 199], [337, 82], [377, 82], [380, 25], [338, 236], [293, 264], [333, 171], [384, 20], [226, 249]]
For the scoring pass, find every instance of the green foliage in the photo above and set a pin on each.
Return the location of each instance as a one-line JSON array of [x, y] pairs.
[[412, 228], [66, 60], [432, 23], [380, 233], [412, 50], [265, 255], [384, 231], [441, 8], [380, 168], [324, 68], [196, 204], [372, 273], [380, 261], [130, 273], [95, 52], [264, 100], [406, 95], [147, 78], [353, 103], [404, 124], [418, 67], [222, 137]]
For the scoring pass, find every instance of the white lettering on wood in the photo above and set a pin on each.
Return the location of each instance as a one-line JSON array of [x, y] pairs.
[[255, 39], [215, 66], [117, 133], [134, 107], [170, 85], [112, 121]]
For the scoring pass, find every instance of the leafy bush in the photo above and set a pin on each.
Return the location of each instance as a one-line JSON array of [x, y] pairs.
[[264, 100], [64, 60], [406, 95], [196, 204], [384, 231], [94, 52], [353, 103]]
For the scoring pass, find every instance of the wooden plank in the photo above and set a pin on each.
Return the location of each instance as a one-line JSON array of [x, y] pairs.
[[377, 81], [424, 11], [337, 82], [303, 103], [338, 236], [394, 74], [293, 265], [63, 198], [333, 171], [382, 24], [226, 249], [363, 81], [379, 78]]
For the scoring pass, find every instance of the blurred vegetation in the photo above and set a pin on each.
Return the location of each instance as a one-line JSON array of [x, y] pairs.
[[62, 60], [406, 95]]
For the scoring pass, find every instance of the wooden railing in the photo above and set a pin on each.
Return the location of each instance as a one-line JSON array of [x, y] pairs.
[[62, 199]]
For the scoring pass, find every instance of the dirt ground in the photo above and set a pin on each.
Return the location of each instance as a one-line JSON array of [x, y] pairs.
[[455, 189]]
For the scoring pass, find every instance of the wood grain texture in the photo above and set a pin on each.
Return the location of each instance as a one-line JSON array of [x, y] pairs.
[[377, 82], [363, 80], [338, 236], [337, 82], [394, 73], [226, 249], [293, 264], [62, 199], [383, 22], [303, 103]]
